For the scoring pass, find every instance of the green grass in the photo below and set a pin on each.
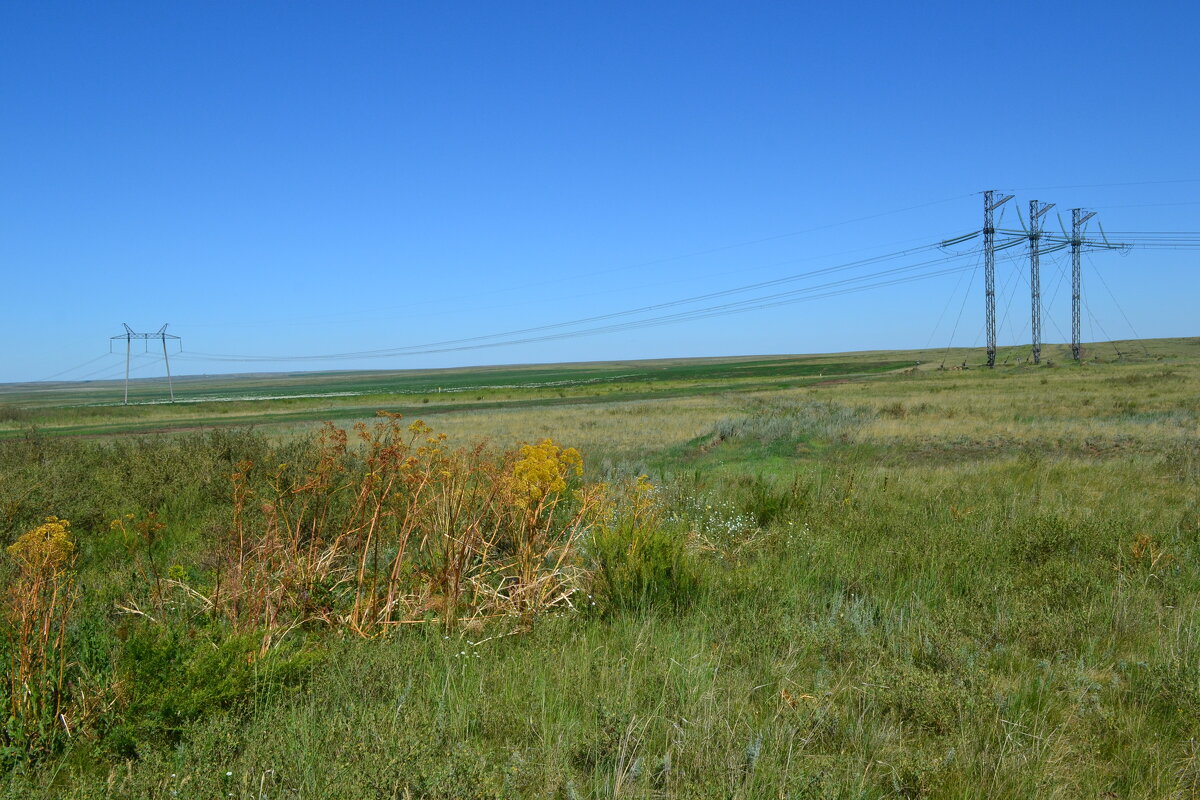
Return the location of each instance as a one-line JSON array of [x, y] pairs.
[[912, 584], [86, 409]]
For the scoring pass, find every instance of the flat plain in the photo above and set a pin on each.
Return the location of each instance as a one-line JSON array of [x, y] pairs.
[[858, 575]]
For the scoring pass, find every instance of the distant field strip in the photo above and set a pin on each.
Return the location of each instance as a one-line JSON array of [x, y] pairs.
[[251, 398], [671, 381]]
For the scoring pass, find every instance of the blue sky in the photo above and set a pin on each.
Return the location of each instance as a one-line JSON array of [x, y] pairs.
[[308, 178]]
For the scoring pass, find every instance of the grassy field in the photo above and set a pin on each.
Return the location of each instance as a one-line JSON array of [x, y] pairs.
[[285, 400], [848, 576]]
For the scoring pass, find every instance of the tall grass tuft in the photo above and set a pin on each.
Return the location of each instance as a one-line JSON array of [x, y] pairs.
[[37, 610], [776, 422], [640, 560]]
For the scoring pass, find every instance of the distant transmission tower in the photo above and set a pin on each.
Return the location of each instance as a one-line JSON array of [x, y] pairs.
[[1078, 219], [129, 335], [1036, 212], [989, 268]]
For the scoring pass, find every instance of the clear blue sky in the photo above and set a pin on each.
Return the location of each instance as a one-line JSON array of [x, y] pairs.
[[303, 178]]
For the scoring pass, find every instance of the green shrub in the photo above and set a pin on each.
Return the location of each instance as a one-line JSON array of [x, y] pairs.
[[11, 413], [643, 566], [921, 698], [767, 502], [171, 678]]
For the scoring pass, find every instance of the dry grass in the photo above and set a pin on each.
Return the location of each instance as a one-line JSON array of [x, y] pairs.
[[396, 526], [617, 430], [37, 611]]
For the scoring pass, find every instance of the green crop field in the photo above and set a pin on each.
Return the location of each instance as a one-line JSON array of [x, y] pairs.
[[98, 408], [862, 575]]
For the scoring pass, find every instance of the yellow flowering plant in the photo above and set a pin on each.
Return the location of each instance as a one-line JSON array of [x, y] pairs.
[[542, 470], [37, 609]]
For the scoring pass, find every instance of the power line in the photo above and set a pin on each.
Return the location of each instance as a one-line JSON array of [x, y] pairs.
[[447, 345], [72, 369], [1053, 322], [834, 288], [1011, 281], [1103, 282], [1103, 332], [961, 308], [949, 302], [112, 372], [709, 251], [772, 293], [557, 331]]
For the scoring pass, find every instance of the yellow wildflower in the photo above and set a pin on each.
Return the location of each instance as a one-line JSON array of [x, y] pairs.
[[543, 469], [46, 547]]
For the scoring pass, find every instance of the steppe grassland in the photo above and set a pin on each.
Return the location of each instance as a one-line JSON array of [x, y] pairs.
[[613, 430], [1148, 405], [98, 410], [1066, 409], [927, 584]]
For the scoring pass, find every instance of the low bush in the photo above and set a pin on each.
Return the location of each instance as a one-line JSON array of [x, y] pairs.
[[642, 566], [168, 677], [767, 502]]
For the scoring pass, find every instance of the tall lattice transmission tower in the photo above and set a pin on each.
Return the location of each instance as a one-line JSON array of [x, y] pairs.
[[990, 204], [1078, 219], [1036, 212], [129, 335]]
